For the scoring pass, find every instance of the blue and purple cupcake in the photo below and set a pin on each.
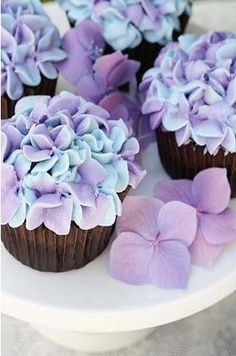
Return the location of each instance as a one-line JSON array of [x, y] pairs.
[[139, 28], [66, 168], [190, 99], [30, 49]]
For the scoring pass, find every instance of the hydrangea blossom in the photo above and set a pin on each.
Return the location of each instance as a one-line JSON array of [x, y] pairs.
[[152, 243], [192, 91], [65, 159], [126, 22], [30, 47], [97, 75], [209, 194]]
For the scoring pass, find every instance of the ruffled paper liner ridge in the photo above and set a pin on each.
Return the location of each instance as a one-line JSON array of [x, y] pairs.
[[43, 250], [186, 161]]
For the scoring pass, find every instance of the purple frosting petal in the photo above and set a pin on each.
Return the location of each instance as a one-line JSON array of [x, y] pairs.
[[9, 193]]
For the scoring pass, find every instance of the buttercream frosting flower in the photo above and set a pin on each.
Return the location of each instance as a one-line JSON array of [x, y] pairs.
[[65, 159], [30, 47], [126, 22], [191, 91], [152, 243], [209, 194], [18, 8]]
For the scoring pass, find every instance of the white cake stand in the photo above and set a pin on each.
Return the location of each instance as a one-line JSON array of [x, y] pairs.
[[87, 310]]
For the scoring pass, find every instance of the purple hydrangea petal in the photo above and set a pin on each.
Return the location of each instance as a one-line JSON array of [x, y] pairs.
[[170, 265], [177, 221], [136, 174], [130, 257], [89, 89], [140, 215], [211, 191], [219, 229], [202, 252], [178, 190]]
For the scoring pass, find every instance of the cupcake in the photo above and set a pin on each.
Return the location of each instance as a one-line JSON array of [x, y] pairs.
[[30, 48], [136, 27], [190, 98], [66, 168]]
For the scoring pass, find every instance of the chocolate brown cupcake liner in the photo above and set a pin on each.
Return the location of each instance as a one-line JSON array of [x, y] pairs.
[[46, 87], [43, 250], [188, 160]]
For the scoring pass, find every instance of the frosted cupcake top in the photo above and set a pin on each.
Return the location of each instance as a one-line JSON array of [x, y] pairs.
[[125, 23], [192, 91], [30, 46], [64, 159]]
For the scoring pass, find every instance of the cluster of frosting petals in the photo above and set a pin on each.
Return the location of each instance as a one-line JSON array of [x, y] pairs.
[[186, 222], [126, 22], [30, 47], [192, 91], [65, 159]]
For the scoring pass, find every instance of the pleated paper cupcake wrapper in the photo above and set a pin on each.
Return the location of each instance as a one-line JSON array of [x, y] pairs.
[[188, 160], [147, 52], [46, 87], [43, 250]]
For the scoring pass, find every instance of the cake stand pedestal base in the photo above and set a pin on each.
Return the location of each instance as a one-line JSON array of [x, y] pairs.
[[93, 342]]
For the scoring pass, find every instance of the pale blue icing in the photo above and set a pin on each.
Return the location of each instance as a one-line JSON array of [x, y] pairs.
[[30, 47], [48, 142], [77, 10], [126, 22]]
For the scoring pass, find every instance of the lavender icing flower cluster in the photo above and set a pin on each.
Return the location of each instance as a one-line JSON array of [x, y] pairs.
[[65, 159], [30, 46], [126, 22], [192, 91]]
